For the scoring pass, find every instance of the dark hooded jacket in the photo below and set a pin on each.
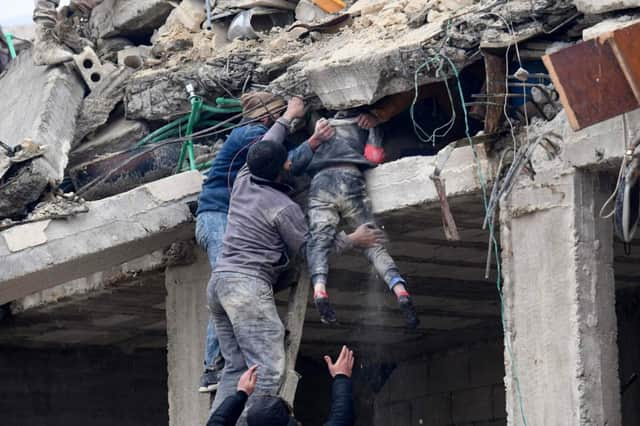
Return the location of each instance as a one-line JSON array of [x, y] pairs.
[[272, 411]]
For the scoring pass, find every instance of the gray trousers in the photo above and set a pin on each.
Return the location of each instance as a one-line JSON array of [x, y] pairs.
[[340, 193], [250, 333]]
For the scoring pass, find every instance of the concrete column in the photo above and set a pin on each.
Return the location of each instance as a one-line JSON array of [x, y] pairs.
[[186, 331], [560, 302]]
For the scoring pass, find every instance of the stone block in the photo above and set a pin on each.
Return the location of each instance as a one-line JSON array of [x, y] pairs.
[[39, 103], [397, 413], [117, 135], [449, 371], [161, 94], [472, 405], [97, 107], [140, 51], [90, 67], [126, 17], [408, 380], [432, 410], [602, 6]]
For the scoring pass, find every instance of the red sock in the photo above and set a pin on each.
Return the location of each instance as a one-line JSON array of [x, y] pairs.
[[320, 294], [402, 293]]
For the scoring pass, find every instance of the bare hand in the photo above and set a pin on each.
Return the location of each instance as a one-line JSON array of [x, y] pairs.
[[247, 382], [323, 132], [367, 120], [343, 365], [367, 235], [295, 108]]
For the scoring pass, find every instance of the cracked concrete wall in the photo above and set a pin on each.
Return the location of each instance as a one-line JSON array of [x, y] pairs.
[[559, 302]]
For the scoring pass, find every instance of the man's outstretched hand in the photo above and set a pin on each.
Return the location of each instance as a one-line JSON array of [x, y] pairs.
[[367, 235], [247, 382], [343, 365], [295, 108]]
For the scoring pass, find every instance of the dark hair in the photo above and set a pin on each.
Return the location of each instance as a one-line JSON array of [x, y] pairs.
[[269, 411], [266, 159]]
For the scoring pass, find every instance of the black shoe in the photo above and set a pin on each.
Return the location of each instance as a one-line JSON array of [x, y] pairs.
[[327, 314], [209, 381], [409, 312]]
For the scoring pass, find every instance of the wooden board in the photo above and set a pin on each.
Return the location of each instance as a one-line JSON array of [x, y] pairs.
[[590, 82], [495, 81], [296, 312], [626, 46]]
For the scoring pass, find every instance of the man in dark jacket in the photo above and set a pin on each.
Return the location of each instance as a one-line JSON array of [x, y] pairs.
[[266, 230], [273, 411], [338, 191], [261, 110]]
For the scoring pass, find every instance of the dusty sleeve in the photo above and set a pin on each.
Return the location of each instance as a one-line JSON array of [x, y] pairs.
[[278, 132]]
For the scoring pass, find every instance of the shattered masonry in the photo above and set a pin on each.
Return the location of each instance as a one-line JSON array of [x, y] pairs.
[[532, 104]]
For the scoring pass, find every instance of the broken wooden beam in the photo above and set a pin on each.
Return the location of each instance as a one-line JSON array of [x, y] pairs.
[[591, 80], [296, 313]]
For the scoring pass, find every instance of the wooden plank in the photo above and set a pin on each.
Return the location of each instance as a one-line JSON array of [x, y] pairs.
[[495, 70], [297, 310], [590, 82], [625, 43]]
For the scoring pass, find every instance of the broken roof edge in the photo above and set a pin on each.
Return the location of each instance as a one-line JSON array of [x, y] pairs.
[[126, 226], [41, 255]]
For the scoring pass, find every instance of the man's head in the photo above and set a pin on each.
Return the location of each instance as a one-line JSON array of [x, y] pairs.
[[266, 106], [266, 159], [270, 411]]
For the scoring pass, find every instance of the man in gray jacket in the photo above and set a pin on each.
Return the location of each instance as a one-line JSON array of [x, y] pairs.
[[266, 230]]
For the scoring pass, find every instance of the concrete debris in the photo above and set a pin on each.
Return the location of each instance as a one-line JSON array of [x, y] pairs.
[[121, 17], [39, 103], [137, 57], [97, 107], [25, 151], [602, 6], [117, 135], [58, 206], [91, 69]]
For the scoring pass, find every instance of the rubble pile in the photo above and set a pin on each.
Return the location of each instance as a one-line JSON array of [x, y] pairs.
[[133, 61]]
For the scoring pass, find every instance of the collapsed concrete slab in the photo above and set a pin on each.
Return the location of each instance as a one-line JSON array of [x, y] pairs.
[[122, 17], [39, 103], [118, 135], [379, 55], [41, 255], [161, 94], [602, 6], [97, 107]]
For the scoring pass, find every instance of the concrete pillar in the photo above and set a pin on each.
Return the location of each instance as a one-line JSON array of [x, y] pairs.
[[560, 302], [186, 330]]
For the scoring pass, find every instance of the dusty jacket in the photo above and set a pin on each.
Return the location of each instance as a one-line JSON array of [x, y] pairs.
[[228, 413], [266, 228], [347, 146], [342, 410]]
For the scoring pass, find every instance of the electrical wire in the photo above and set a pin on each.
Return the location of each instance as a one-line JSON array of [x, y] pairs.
[[211, 131], [493, 241]]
